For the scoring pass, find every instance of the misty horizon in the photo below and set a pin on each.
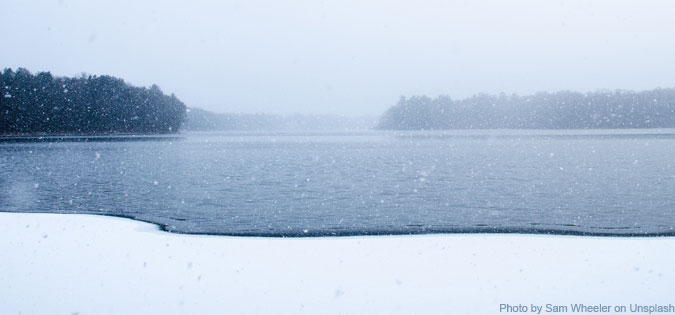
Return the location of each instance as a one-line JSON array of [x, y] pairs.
[[347, 58]]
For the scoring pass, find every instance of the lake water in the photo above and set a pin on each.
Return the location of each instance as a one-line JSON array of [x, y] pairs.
[[604, 182]]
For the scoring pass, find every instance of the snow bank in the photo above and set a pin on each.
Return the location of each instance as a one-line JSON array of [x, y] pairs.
[[65, 264]]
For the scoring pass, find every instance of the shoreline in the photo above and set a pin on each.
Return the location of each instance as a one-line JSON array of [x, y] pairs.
[[60, 138], [476, 230], [106, 265], [85, 134]]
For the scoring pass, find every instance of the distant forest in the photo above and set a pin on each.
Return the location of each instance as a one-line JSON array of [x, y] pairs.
[[561, 110], [44, 104], [202, 120]]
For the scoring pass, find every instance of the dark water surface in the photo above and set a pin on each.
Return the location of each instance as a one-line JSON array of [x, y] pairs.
[[602, 182]]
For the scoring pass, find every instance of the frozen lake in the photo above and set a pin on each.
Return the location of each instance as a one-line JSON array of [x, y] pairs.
[[605, 182]]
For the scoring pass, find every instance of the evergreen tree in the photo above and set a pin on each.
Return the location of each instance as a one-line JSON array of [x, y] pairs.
[[43, 104]]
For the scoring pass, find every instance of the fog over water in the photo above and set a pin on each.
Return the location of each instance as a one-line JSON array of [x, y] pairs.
[[344, 57]]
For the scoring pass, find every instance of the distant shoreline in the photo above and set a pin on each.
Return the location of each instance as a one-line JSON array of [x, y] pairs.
[[602, 109], [75, 134], [87, 137]]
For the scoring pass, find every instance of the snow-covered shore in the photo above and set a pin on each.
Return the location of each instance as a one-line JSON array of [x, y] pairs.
[[66, 264]]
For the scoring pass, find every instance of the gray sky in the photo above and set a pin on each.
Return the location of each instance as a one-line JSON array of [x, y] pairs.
[[344, 57]]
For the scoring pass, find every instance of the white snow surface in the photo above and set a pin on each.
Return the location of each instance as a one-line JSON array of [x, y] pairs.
[[85, 264]]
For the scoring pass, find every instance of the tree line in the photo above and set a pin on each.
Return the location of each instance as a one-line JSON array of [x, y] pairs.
[[43, 104], [560, 110]]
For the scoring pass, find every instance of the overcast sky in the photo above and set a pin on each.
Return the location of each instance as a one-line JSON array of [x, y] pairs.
[[344, 57]]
